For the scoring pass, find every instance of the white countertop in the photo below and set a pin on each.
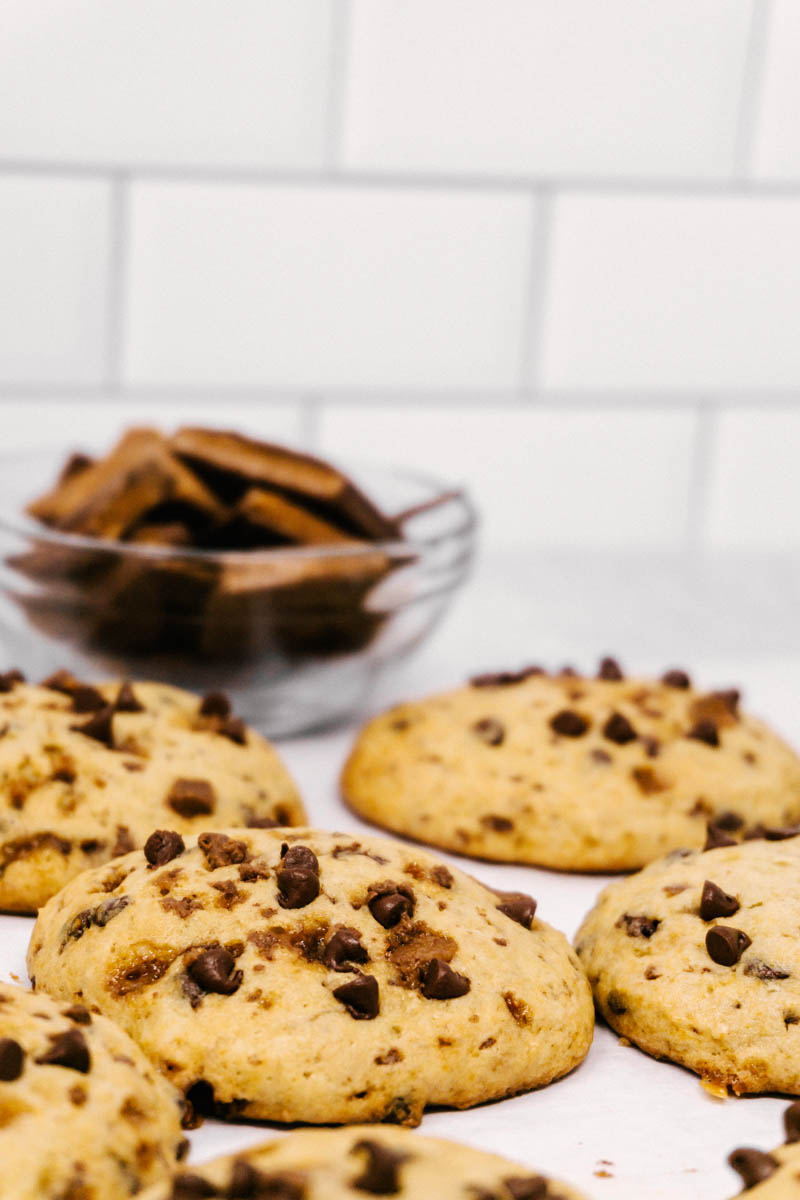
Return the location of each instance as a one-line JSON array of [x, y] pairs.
[[622, 1126]]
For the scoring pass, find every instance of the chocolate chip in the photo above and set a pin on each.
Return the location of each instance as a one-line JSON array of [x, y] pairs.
[[610, 670], [569, 724], [791, 1122], [111, 908], [86, 699], [716, 837], [380, 1176], [9, 679], [762, 970], [360, 997], [704, 731], [754, 1166], [652, 746], [782, 834], [162, 846], [221, 851], [297, 887], [440, 982], [215, 704], [99, 726], [248, 1183], [299, 857], [187, 1186], [12, 1060], [505, 678], [68, 1050], [729, 821], [192, 798], [716, 903], [490, 730], [214, 971], [61, 681], [531, 1187], [78, 1014], [638, 926], [389, 905], [676, 679], [342, 948], [127, 701], [618, 729], [730, 697], [726, 945], [234, 729], [519, 907]]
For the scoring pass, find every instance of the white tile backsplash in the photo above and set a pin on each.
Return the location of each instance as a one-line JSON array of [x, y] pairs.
[[754, 482], [240, 83], [338, 287], [551, 247], [777, 146], [673, 292], [540, 477], [546, 87], [54, 254]]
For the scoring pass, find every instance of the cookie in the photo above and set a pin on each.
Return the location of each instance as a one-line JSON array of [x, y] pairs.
[[88, 771], [696, 958], [601, 774], [353, 1163], [316, 977], [774, 1175], [82, 1112]]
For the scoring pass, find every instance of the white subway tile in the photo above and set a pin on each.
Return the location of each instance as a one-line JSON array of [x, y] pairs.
[[777, 146], [295, 286], [681, 292], [570, 87], [79, 421], [754, 484], [189, 81], [539, 477], [54, 246]]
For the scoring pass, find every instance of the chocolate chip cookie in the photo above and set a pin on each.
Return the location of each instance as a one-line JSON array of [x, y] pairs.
[[349, 1164], [601, 774], [774, 1175], [82, 1112], [317, 977], [697, 959], [88, 771]]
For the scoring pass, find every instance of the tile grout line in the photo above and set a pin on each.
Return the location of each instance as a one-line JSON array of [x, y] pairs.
[[700, 478], [753, 77], [374, 396], [117, 281], [420, 181], [341, 18], [536, 290]]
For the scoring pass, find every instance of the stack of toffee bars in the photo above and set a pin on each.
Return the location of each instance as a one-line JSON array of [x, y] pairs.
[[206, 490]]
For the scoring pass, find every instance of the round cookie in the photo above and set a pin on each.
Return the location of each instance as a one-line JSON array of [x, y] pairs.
[[349, 1164], [308, 976], [87, 772], [697, 959], [82, 1112], [600, 774], [774, 1175]]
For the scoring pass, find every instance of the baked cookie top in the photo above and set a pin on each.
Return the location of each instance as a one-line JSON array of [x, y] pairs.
[[317, 977], [83, 1114], [88, 771], [349, 1164], [774, 1175], [696, 958], [600, 774]]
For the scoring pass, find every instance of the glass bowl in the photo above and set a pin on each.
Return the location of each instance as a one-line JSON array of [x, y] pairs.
[[296, 636]]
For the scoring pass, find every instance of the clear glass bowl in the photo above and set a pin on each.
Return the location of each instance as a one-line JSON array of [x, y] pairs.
[[296, 636]]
